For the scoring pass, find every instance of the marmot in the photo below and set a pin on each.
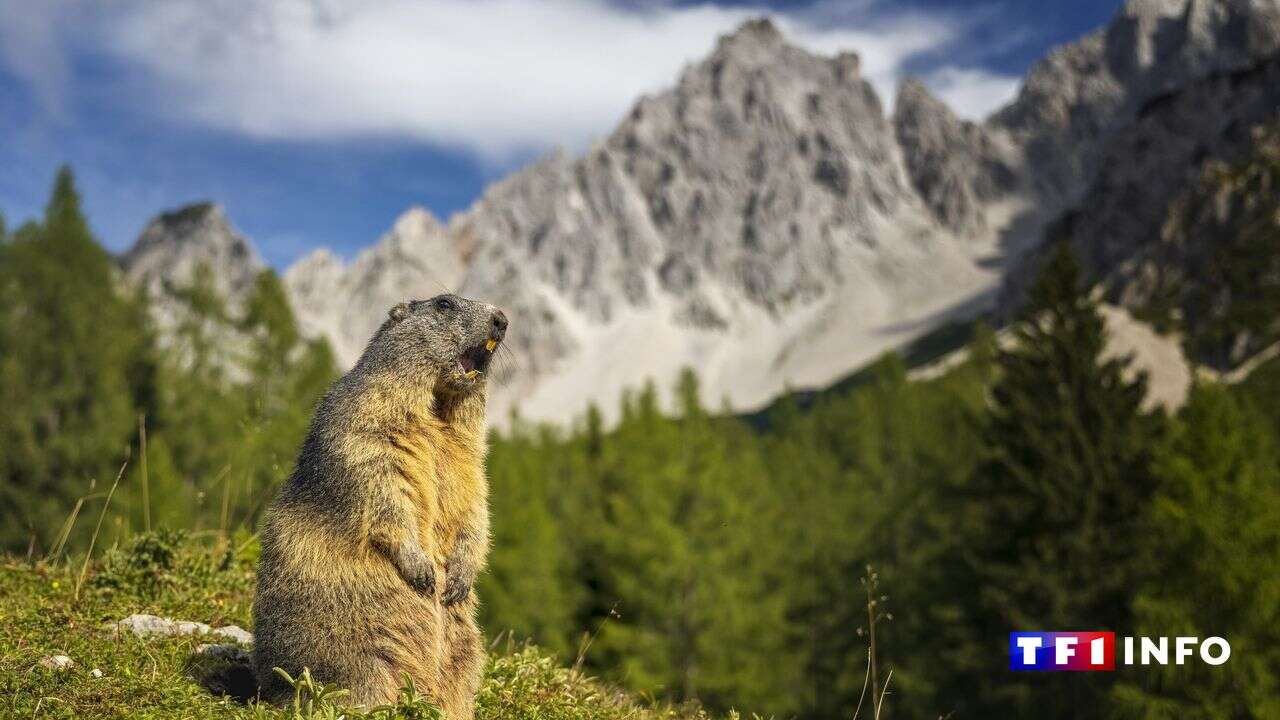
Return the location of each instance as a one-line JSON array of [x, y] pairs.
[[370, 550]]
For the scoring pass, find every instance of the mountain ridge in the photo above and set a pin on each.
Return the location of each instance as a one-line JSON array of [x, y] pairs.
[[765, 222]]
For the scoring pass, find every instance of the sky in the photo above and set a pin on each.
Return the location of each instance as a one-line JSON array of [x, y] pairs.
[[315, 123]]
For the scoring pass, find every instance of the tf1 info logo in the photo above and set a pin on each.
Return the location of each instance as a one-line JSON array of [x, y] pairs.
[[1085, 651]]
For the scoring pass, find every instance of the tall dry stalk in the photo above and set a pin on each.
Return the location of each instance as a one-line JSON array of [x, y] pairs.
[[84, 567], [224, 515], [875, 614], [146, 485]]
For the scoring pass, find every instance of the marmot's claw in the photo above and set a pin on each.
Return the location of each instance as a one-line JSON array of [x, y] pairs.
[[455, 590], [421, 576], [424, 583]]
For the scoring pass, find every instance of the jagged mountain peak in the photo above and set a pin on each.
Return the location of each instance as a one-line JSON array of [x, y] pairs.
[[956, 166], [181, 225], [763, 221], [415, 258], [915, 98], [1152, 8], [753, 43], [321, 257], [758, 42], [1083, 91], [174, 244], [417, 220]]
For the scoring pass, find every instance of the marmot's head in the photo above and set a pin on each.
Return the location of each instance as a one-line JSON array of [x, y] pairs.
[[448, 340]]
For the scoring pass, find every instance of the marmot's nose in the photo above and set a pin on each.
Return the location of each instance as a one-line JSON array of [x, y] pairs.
[[498, 325]]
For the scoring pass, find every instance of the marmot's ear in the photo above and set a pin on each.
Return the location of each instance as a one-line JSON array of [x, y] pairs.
[[399, 312]]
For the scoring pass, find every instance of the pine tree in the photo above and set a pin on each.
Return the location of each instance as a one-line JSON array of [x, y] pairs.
[[858, 476], [286, 376], [1049, 524], [75, 370], [699, 613], [194, 433], [1214, 539], [239, 389], [528, 590]]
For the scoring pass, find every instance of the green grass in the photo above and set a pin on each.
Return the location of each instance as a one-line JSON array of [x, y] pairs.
[[163, 574]]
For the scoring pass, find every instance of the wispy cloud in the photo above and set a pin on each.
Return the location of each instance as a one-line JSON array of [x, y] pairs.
[[493, 76]]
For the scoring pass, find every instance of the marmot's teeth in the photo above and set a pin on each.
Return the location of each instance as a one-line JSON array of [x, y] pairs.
[[491, 345], [472, 373]]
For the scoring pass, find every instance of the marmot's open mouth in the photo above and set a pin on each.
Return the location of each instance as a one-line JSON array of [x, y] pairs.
[[475, 361]]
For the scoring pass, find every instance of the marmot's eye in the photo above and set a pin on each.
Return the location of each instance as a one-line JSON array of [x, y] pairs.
[[444, 303]]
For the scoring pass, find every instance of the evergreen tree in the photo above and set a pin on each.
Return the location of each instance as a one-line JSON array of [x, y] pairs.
[[859, 476], [529, 590], [286, 375], [1049, 524], [1214, 539], [75, 370], [239, 388], [688, 560]]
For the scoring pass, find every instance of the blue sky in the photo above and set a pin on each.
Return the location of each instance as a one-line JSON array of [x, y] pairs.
[[317, 122]]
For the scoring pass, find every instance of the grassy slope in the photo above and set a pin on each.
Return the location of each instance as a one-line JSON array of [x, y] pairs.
[[41, 616]]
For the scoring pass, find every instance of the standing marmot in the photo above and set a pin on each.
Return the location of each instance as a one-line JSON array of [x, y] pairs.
[[371, 548]]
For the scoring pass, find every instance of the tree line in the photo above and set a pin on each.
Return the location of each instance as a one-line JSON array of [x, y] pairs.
[[693, 555]]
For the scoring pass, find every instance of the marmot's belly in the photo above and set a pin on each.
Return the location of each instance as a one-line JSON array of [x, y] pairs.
[[346, 620]]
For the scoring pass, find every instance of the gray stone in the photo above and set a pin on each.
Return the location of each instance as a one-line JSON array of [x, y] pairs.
[[57, 663], [149, 626], [235, 633]]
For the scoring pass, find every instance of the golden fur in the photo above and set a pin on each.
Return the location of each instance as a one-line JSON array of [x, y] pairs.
[[371, 548]]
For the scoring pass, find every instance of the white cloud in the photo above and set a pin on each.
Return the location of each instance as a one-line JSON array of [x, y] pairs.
[[493, 76], [973, 94]]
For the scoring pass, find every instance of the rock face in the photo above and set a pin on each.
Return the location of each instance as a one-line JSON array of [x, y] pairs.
[[1118, 227], [755, 223], [1201, 80], [416, 258], [1080, 93], [762, 221], [175, 244], [1166, 226], [957, 167]]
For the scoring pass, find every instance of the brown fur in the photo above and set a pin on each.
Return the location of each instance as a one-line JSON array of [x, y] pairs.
[[371, 548]]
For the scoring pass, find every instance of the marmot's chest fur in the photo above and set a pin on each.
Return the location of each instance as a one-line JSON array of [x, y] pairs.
[[443, 473]]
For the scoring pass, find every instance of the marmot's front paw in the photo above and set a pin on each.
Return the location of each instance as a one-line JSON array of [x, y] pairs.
[[419, 572], [455, 590], [457, 584]]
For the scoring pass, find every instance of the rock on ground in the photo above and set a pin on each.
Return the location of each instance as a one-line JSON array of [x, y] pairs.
[[149, 626], [57, 663]]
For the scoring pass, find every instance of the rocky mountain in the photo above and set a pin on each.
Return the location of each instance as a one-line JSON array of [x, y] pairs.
[[177, 250], [1211, 80], [176, 244], [763, 221], [1188, 235], [958, 168], [1083, 92], [415, 258], [755, 222]]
